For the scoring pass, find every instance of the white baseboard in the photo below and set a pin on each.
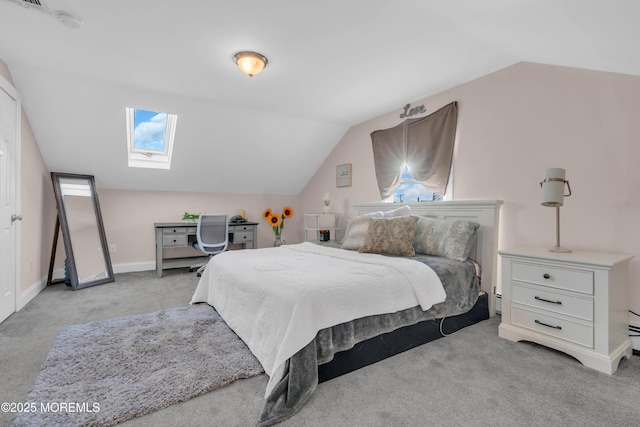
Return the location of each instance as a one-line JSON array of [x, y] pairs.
[[133, 267], [25, 297], [635, 341], [498, 303]]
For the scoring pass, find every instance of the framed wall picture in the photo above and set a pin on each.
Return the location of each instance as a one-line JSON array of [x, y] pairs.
[[343, 175]]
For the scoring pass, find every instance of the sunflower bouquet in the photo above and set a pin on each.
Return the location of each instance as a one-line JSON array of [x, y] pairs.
[[277, 220]]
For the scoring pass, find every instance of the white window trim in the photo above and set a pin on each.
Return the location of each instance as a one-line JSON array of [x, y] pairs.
[[150, 159]]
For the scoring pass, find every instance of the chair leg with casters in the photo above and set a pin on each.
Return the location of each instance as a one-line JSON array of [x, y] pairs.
[[200, 270], [199, 267]]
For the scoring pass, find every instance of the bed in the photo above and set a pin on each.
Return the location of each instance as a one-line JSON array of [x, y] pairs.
[[310, 313]]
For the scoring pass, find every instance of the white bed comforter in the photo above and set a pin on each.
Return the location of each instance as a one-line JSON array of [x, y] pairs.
[[277, 299]]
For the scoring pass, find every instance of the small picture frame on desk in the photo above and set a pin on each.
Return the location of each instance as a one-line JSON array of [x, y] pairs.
[[343, 175]]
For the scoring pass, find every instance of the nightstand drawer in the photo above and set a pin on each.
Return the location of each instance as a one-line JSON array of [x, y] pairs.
[[554, 326], [560, 278], [242, 237], [557, 302], [177, 240]]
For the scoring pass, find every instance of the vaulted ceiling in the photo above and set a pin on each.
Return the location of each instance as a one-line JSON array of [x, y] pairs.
[[332, 64]]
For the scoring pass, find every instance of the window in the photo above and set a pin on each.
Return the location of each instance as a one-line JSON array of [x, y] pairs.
[[425, 144], [150, 137], [410, 190]]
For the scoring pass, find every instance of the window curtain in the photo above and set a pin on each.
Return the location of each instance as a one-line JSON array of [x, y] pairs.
[[425, 144]]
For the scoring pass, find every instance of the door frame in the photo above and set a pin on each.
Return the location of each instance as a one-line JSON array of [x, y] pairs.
[[6, 86]]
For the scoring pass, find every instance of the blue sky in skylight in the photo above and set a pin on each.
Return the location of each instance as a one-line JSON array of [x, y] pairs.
[[150, 129]]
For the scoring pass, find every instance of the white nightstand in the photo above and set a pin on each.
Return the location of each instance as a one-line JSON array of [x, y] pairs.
[[327, 222], [573, 302]]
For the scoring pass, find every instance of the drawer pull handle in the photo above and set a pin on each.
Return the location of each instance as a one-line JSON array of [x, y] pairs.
[[549, 301], [548, 326], [546, 275]]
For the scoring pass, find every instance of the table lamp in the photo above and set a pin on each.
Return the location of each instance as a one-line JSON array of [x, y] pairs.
[[553, 196], [326, 199]]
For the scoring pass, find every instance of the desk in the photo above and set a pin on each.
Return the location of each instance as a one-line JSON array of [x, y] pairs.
[[171, 235]]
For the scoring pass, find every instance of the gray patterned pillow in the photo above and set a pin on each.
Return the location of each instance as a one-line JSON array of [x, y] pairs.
[[391, 236], [443, 237], [357, 231]]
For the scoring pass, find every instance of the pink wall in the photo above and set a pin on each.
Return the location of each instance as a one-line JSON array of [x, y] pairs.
[[129, 216], [512, 125], [38, 207]]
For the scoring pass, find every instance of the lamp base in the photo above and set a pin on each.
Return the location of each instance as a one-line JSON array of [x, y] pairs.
[[560, 249]]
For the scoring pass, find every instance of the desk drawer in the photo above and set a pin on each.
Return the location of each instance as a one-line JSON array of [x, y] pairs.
[[557, 277], [174, 241], [181, 230], [242, 237], [241, 228], [558, 302], [554, 326]]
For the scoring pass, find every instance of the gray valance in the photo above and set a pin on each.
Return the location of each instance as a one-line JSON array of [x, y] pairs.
[[424, 144]]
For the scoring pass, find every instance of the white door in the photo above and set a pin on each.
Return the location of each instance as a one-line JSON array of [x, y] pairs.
[[9, 197]]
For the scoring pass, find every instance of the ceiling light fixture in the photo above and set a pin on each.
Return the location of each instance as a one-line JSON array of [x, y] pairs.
[[250, 63]]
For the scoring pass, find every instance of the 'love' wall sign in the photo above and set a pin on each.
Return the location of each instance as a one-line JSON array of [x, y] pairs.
[[408, 111]]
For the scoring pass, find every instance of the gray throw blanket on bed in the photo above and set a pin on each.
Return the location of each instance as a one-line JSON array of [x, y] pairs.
[[300, 378]]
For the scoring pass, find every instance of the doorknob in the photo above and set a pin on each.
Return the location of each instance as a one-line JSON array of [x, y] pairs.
[[15, 217]]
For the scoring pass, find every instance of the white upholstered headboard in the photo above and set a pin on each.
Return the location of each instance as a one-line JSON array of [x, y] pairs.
[[484, 212]]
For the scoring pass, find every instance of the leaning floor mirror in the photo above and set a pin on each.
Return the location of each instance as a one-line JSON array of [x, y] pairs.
[[80, 219]]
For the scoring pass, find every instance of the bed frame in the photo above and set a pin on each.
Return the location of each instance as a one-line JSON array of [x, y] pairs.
[[485, 252]]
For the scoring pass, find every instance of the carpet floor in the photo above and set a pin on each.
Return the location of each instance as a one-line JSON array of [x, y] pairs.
[[471, 378], [105, 372]]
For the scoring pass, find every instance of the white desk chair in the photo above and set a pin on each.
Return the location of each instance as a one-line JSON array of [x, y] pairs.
[[212, 236]]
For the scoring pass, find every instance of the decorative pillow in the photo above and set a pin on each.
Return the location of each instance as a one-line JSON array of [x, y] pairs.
[[357, 231], [442, 237], [401, 211], [391, 236]]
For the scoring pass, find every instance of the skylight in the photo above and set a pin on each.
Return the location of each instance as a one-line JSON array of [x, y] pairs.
[[150, 137]]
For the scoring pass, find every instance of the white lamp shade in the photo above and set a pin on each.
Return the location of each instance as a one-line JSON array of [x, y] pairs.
[[553, 187]]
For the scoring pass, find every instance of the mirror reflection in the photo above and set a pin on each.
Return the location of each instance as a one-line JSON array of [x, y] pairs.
[[80, 219]]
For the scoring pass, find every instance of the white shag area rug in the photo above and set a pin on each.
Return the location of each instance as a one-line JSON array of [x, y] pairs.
[[106, 372]]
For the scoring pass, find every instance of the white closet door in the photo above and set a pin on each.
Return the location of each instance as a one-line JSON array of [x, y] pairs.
[[9, 199]]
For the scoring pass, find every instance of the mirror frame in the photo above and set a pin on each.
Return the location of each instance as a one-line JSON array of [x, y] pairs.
[[64, 225]]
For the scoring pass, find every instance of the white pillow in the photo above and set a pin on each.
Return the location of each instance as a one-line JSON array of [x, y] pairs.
[[401, 211], [357, 231]]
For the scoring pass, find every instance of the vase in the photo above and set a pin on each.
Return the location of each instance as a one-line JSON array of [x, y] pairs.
[[279, 241]]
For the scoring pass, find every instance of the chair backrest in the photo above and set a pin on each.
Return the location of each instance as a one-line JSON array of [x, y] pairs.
[[213, 233]]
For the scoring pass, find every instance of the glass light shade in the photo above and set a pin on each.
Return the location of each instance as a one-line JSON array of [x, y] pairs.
[[553, 187], [250, 63]]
